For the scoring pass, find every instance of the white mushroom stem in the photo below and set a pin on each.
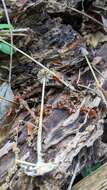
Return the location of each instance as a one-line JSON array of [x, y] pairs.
[[39, 137]]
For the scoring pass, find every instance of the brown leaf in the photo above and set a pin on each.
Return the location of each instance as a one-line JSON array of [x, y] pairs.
[[94, 39]]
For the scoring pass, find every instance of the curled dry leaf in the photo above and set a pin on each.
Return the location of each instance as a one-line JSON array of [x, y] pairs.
[[95, 39]]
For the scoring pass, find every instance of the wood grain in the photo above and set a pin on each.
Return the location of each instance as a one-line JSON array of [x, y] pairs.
[[96, 181]]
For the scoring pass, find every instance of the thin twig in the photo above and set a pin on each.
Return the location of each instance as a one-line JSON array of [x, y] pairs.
[[8, 34], [86, 15], [93, 73], [97, 70], [24, 103], [11, 38], [2, 98], [41, 65], [39, 137], [79, 75], [88, 88], [100, 7], [17, 30], [96, 80]]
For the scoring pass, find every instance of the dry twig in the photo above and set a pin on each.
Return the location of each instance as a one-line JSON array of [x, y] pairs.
[[86, 15], [99, 88]]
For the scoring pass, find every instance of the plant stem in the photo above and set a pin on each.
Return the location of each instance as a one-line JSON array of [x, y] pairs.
[[89, 64], [39, 137], [96, 80], [11, 38], [24, 162]]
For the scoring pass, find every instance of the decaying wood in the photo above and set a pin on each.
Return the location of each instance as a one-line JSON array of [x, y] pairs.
[[72, 118]]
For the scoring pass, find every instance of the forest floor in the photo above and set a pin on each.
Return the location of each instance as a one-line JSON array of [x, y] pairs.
[[53, 92]]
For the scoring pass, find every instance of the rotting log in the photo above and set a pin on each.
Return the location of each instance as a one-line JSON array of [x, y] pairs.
[[71, 130]]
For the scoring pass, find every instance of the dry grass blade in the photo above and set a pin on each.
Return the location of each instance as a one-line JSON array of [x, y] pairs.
[[2, 98], [11, 36], [100, 7], [25, 163], [93, 73], [99, 88], [97, 70], [88, 88], [24, 103], [86, 15]]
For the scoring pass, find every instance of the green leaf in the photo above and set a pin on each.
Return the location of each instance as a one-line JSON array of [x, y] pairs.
[[5, 48], [5, 26], [87, 170]]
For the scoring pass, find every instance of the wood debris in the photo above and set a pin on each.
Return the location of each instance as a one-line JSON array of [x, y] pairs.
[[60, 133]]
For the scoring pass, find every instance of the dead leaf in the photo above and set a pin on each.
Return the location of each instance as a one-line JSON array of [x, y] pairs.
[[96, 60], [94, 39]]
